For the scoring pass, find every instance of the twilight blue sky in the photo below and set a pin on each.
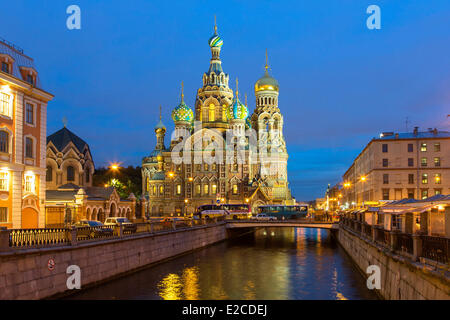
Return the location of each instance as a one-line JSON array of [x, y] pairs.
[[340, 83]]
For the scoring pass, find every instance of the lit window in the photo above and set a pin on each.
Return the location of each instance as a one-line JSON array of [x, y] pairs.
[[178, 188], [29, 113], [424, 193], [211, 112], [214, 189], [423, 147], [4, 141], [154, 190], [437, 147], [214, 167], [3, 214], [424, 162], [5, 104], [437, 178], [4, 181], [30, 183], [437, 162], [224, 113], [235, 189], [161, 189], [28, 147], [206, 167], [206, 189], [437, 191], [198, 189], [425, 178]]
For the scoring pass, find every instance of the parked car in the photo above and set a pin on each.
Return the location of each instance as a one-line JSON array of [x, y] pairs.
[[128, 226], [90, 229], [262, 216]]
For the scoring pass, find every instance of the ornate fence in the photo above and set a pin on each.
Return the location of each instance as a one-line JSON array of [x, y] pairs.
[[38, 237], [404, 243], [436, 248]]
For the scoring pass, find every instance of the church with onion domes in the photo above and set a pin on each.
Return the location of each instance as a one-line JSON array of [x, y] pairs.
[[220, 151]]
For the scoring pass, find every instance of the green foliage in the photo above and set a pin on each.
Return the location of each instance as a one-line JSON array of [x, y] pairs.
[[125, 180]]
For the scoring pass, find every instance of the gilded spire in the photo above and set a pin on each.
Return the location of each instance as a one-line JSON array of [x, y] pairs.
[[237, 88], [246, 100], [160, 113], [267, 62], [182, 91], [215, 25]]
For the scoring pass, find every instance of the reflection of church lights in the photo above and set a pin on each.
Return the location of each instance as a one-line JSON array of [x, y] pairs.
[[170, 287], [190, 280]]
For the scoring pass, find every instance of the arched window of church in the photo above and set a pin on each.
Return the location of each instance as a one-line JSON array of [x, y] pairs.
[[154, 190], [265, 100], [49, 174], [70, 173], [161, 190], [224, 113], [211, 112]]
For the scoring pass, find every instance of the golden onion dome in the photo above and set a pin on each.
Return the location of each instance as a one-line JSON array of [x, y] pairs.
[[267, 83]]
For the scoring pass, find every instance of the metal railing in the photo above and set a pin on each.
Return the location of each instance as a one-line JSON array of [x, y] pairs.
[[38, 237], [436, 248], [47, 237], [404, 243]]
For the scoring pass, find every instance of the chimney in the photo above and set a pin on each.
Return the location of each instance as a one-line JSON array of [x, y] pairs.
[[416, 131], [435, 132]]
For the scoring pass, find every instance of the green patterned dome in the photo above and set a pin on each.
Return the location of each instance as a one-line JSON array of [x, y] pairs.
[[182, 113], [237, 110], [215, 41]]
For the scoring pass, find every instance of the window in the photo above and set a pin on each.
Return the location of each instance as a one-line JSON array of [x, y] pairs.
[[410, 162], [425, 178], [385, 194], [214, 167], [235, 167], [214, 189], [411, 178], [3, 214], [30, 79], [410, 147], [235, 189], [424, 193], [4, 104], [206, 189], [29, 183], [198, 189], [70, 173], [178, 189], [224, 113], [29, 113], [211, 112], [437, 178], [49, 174], [423, 147], [437, 191], [385, 178], [5, 67], [385, 162], [423, 162], [161, 190], [4, 141], [410, 193], [88, 176], [179, 168], [437, 147], [154, 190], [28, 147], [437, 162], [4, 181], [384, 147], [206, 167]]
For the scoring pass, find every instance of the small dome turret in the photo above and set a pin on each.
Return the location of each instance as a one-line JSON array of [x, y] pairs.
[[182, 113], [237, 110]]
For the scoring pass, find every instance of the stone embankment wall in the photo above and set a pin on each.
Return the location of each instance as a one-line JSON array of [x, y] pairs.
[[401, 279], [24, 274]]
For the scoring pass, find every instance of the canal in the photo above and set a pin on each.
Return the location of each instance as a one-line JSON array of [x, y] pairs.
[[272, 263]]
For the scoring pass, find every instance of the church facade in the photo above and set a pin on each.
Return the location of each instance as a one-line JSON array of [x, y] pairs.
[[219, 152]]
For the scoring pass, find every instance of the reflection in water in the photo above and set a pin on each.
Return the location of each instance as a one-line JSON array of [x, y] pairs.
[[272, 263]]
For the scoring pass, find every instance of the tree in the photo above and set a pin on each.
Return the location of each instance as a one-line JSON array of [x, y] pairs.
[[126, 180]]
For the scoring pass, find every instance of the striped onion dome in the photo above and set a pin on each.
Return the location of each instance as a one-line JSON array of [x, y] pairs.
[[215, 41], [237, 110]]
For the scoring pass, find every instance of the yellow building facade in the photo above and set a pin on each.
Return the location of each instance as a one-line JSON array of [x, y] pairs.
[[23, 117]]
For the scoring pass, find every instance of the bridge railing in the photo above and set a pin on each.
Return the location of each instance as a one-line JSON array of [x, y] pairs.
[[16, 239], [414, 246]]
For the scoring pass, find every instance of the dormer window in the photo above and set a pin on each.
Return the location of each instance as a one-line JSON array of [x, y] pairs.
[[5, 67], [30, 79]]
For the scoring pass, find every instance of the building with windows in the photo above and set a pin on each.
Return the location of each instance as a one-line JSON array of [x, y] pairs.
[[212, 157], [70, 195], [395, 166], [23, 116]]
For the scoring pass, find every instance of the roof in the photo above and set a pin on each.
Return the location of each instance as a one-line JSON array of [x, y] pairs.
[[20, 60], [411, 135], [68, 191], [63, 137]]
